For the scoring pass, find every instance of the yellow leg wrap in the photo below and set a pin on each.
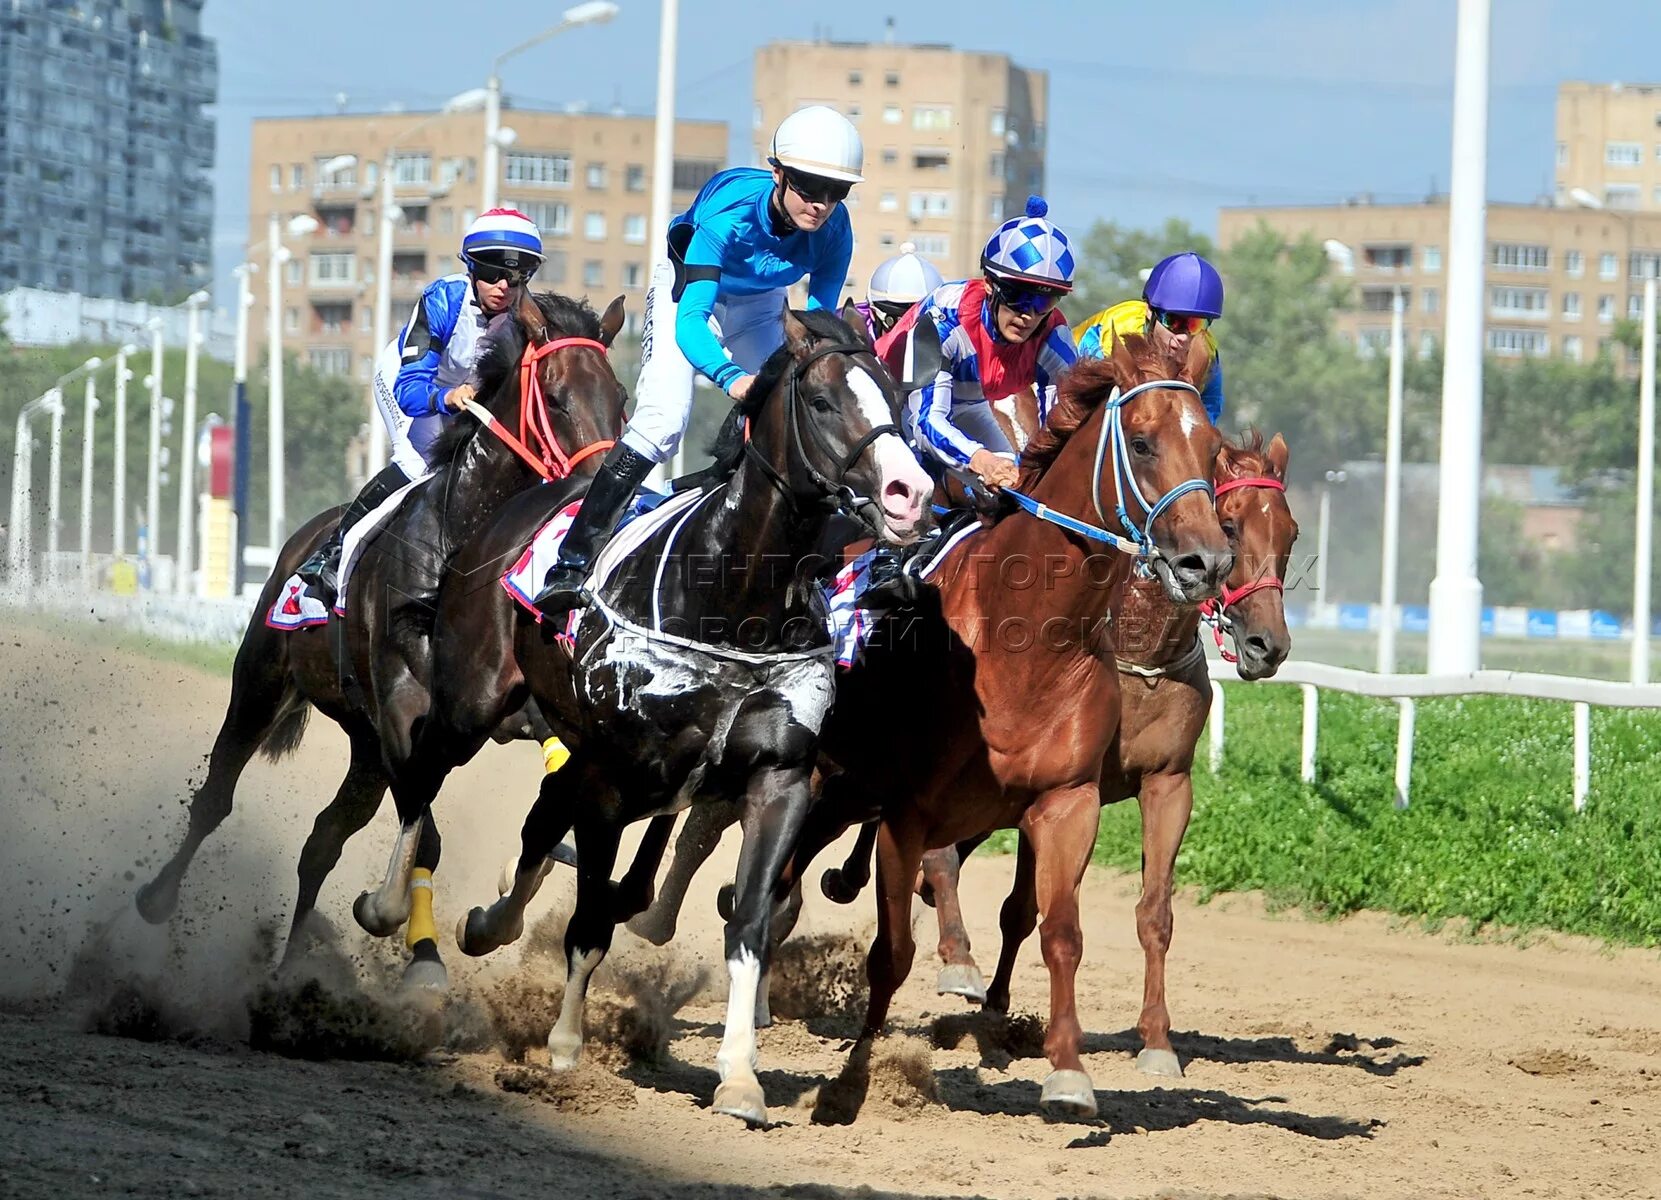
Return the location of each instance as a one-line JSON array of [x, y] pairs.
[[421, 927], [554, 755]]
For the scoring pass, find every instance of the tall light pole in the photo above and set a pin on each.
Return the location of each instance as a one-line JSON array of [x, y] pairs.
[[54, 484], [187, 448], [17, 543], [152, 474], [243, 417], [1646, 494], [594, 12], [276, 255], [88, 428], [1392, 491], [1332, 477], [118, 535], [663, 158], [1456, 592]]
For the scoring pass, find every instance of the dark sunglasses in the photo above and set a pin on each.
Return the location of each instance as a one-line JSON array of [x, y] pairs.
[[487, 273], [1182, 322], [1025, 299], [816, 190], [893, 310]]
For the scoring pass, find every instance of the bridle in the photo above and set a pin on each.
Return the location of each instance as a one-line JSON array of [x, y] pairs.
[[537, 444], [1124, 477], [1215, 612]]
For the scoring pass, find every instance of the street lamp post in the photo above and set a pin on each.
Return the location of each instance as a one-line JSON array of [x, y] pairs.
[[1332, 477], [276, 255], [1391, 549], [118, 534], [594, 12], [663, 160], [88, 428], [54, 485], [243, 417], [187, 447], [152, 474], [1646, 494]]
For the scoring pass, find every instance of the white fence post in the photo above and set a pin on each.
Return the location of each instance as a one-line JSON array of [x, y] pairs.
[[1404, 750], [1215, 725], [1311, 718], [1582, 754]]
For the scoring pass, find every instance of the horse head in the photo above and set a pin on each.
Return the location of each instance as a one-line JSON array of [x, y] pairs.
[[825, 428], [1252, 509]]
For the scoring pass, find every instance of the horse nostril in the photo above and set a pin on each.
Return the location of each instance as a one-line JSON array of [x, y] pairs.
[[899, 496], [1189, 566], [1258, 645]]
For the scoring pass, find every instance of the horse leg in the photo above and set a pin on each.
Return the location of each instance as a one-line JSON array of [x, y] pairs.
[[633, 893], [1016, 921], [587, 937], [705, 824], [1062, 827], [775, 807], [899, 852], [354, 804], [959, 976], [425, 972], [262, 704], [482, 930], [1167, 801], [785, 915], [842, 885]]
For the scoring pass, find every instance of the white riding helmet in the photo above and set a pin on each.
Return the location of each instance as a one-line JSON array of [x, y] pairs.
[[820, 141], [904, 279]]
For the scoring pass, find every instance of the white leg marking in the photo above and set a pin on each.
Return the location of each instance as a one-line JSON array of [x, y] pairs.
[[738, 1047], [565, 1042]]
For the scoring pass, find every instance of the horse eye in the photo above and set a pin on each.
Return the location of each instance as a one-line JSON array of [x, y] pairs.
[[1230, 531], [822, 403], [1140, 445]]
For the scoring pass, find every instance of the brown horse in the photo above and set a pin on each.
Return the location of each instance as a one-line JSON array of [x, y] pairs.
[[280, 675], [1166, 699]]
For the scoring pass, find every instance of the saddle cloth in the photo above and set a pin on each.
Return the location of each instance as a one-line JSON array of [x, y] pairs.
[[851, 625]]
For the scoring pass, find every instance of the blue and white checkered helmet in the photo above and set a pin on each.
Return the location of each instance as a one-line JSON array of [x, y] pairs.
[[503, 237], [1030, 249]]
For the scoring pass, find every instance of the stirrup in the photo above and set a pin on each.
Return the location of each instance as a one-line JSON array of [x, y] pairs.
[[560, 595]]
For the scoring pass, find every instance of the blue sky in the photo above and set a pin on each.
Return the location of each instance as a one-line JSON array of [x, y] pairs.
[[1157, 109]]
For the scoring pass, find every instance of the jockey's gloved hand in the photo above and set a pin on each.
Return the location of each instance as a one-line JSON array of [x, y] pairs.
[[994, 469]]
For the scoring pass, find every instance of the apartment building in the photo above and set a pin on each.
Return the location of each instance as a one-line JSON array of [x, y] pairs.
[[584, 178], [954, 140], [1556, 278], [1609, 145]]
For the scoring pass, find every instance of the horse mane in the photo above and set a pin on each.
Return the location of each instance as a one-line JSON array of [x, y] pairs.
[[728, 447], [1085, 387], [497, 364]]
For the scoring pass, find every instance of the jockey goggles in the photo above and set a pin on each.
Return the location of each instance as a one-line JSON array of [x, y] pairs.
[[1179, 323], [1023, 297], [490, 273], [815, 189]]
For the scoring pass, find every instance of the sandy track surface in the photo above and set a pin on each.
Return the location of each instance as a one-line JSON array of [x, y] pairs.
[[1357, 1058]]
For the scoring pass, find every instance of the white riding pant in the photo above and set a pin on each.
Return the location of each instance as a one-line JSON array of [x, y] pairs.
[[409, 438], [749, 328]]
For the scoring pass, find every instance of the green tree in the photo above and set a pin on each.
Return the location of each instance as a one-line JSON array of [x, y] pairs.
[[1111, 259]]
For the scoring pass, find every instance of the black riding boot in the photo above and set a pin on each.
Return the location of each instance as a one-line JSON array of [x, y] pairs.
[[895, 576], [613, 487], [321, 571]]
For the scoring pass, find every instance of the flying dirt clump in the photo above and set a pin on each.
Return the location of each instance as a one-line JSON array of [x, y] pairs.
[[585, 1088], [891, 1077], [1000, 1040], [307, 1020], [822, 975]]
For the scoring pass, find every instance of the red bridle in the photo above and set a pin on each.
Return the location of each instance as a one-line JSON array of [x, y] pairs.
[[548, 459], [1213, 613]]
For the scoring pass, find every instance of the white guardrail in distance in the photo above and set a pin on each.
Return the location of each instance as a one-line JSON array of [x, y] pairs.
[[1310, 677]]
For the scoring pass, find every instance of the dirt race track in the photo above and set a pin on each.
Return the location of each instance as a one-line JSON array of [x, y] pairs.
[[1358, 1058]]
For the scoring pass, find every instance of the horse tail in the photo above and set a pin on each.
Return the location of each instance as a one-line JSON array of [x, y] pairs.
[[285, 735]]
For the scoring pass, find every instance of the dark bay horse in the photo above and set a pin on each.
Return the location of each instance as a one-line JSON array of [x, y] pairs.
[[280, 675], [1166, 699], [702, 671]]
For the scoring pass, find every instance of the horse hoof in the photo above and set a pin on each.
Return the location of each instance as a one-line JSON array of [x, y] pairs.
[[962, 979], [474, 937], [653, 928], [724, 903], [373, 919], [742, 1098], [564, 1051], [1159, 1062], [1068, 1094], [155, 902], [425, 977], [836, 886], [504, 881]]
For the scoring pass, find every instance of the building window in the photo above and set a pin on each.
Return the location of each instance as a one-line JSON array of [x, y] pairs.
[[1430, 259], [412, 170], [891, 79], [1623, 154], [1608, 266], [1379, 299], [890, 156], [995, 208], [1643, 265], [854, 112], [333, 318], [933, 245], [996, 165], [1387, 258], [855, 78], [1429, 301], [341, 177], [634, 229], [1634, 306], [276, 177], [634, 276], [332, 267], [291, 320], [1511, 256], [596, 177], [331, 362], [1606, 309], [1427, 343], [1519, 302], [634, 178], [1574, 264], [885, 240], [554, 267], [1571, 306], [594, 226], [1571, 347], [1369, 342], [932, 117], [552, 219], [1563, 154], [997, 122], [539, 170], [446, 220], [296, 272], [931, 158], [594, 272], [890, 202], [297, 177], [366, 315], [1519, 343], [930, 204], [892, 114], [692, 173], [1622, 195]]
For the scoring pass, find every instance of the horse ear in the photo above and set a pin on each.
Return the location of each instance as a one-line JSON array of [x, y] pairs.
[[611, 321], [796, 335], [530, 316], [1278, 454], [851, 318], [1198, 366]]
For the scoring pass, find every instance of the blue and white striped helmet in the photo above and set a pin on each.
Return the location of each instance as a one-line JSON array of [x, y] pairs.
[[503, 237], [1030, 249]]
